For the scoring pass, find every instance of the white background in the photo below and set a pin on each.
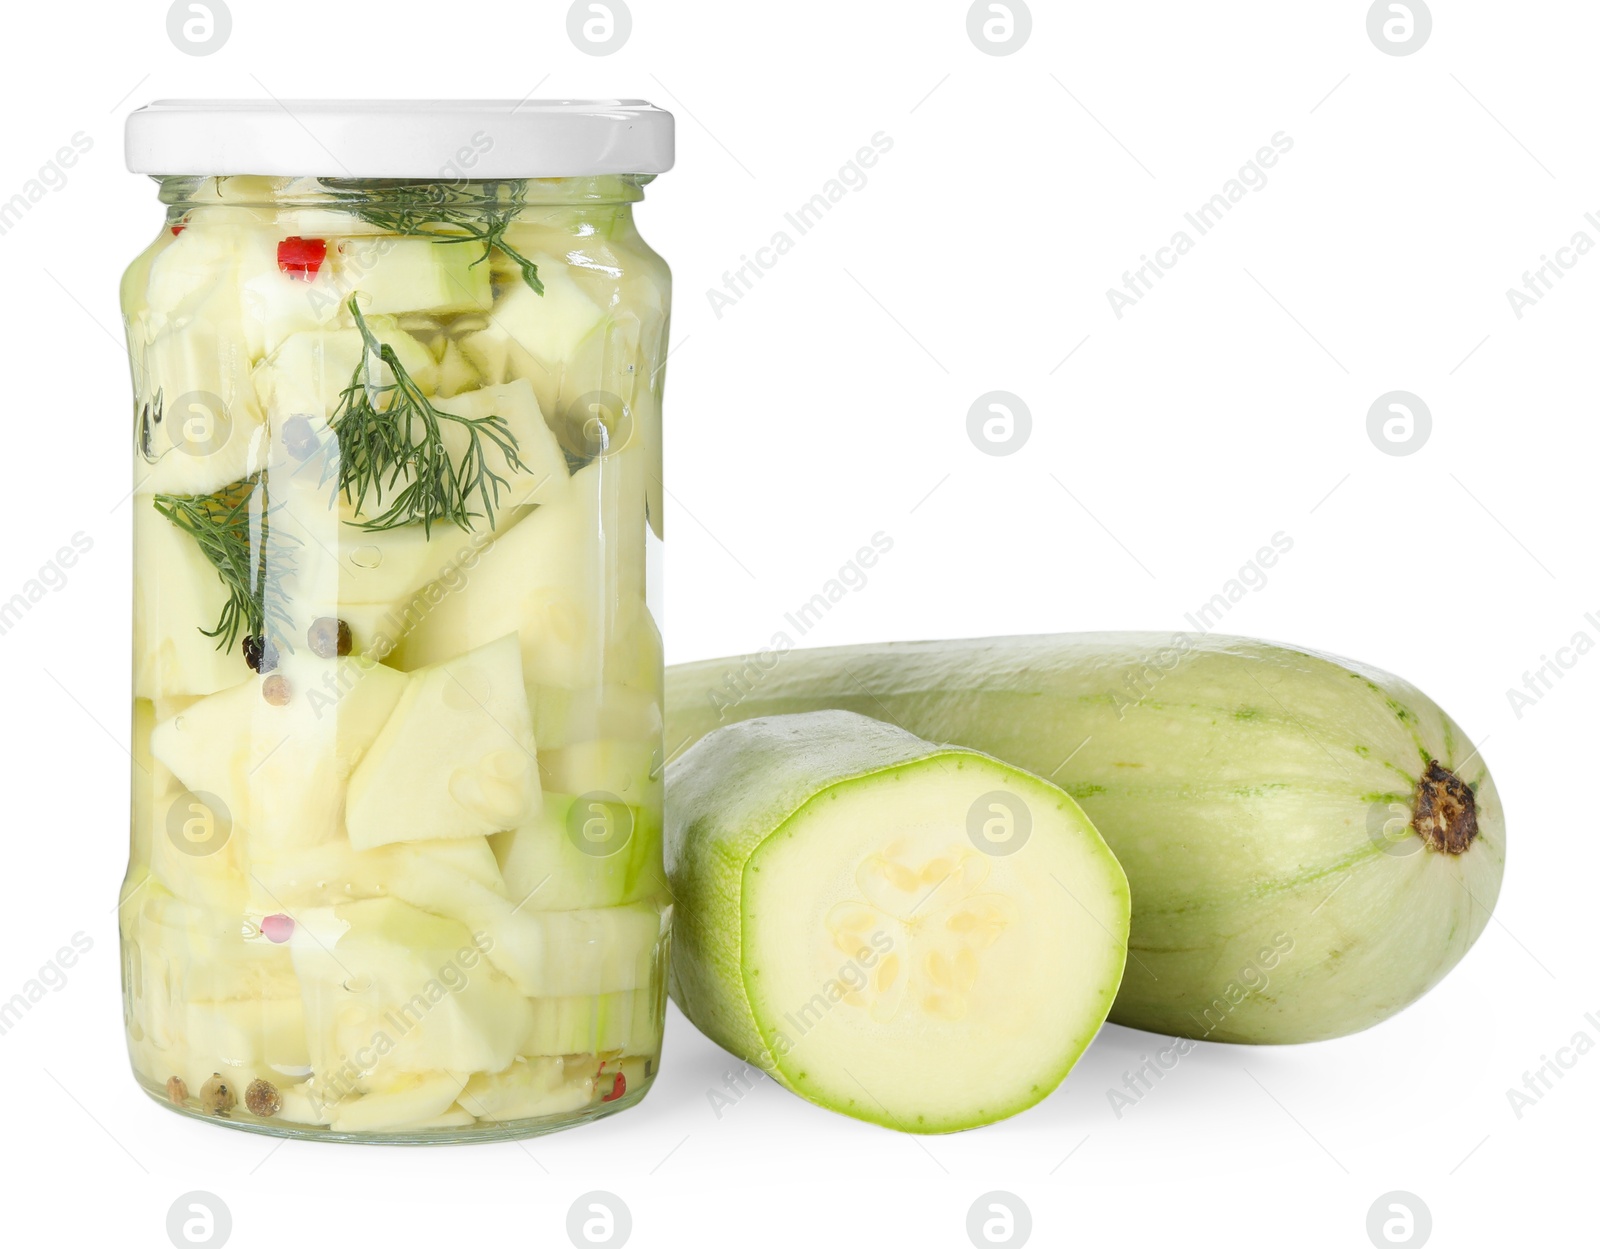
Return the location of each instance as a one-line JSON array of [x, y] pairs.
[[831, 403]]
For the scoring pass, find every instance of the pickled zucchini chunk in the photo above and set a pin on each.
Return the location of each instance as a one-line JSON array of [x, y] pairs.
[[542, 467], [342, 571], [155, 784], [626, 769], [175, 588], [201, 999], [456, 758], [607, 353], [415, 1102], [277, 304], [201, 426], [545, 953], [563, 717], [280, 771], [624, 1022], [335, 871], [185, 856], [309, 372], [379, 582], [528, 1088], [531, 335], [914, 935], [188, 266], [456, 373], [390, 990], [415, 275], [568, 580], [341, 563], [588, 851]]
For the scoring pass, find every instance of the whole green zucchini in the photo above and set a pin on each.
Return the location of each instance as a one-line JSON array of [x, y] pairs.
[[1311, 844]]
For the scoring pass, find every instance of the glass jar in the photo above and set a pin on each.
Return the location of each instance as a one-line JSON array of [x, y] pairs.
[[396, 861]]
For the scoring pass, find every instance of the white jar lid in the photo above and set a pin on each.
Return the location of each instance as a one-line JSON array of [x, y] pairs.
[[422, 139]]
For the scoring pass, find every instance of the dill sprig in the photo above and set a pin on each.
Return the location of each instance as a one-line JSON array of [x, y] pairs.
[[233, 529], [390, 432], [475, 220]]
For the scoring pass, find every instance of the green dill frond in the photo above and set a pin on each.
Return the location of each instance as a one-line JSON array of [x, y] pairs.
[[391, 439], [233, 529]]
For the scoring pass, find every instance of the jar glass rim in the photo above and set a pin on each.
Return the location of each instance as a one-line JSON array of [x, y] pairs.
[[241, 190]]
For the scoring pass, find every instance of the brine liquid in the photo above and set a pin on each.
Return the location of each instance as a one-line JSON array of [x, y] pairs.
[[396, 865]]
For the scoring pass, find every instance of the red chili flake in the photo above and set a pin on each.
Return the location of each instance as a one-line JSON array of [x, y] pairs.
[[301, 258], [176, 230], [619, 1086]]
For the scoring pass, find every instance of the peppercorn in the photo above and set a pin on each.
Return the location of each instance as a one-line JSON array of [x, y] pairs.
[[299, 439], [329, 637], [216, 1095], [177, 1091], [260, 654], [277, 928], [262, 1099], [275, 689]]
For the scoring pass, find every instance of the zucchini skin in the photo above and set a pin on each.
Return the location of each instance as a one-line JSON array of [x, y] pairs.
[[1277, 811], [726, 800]]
